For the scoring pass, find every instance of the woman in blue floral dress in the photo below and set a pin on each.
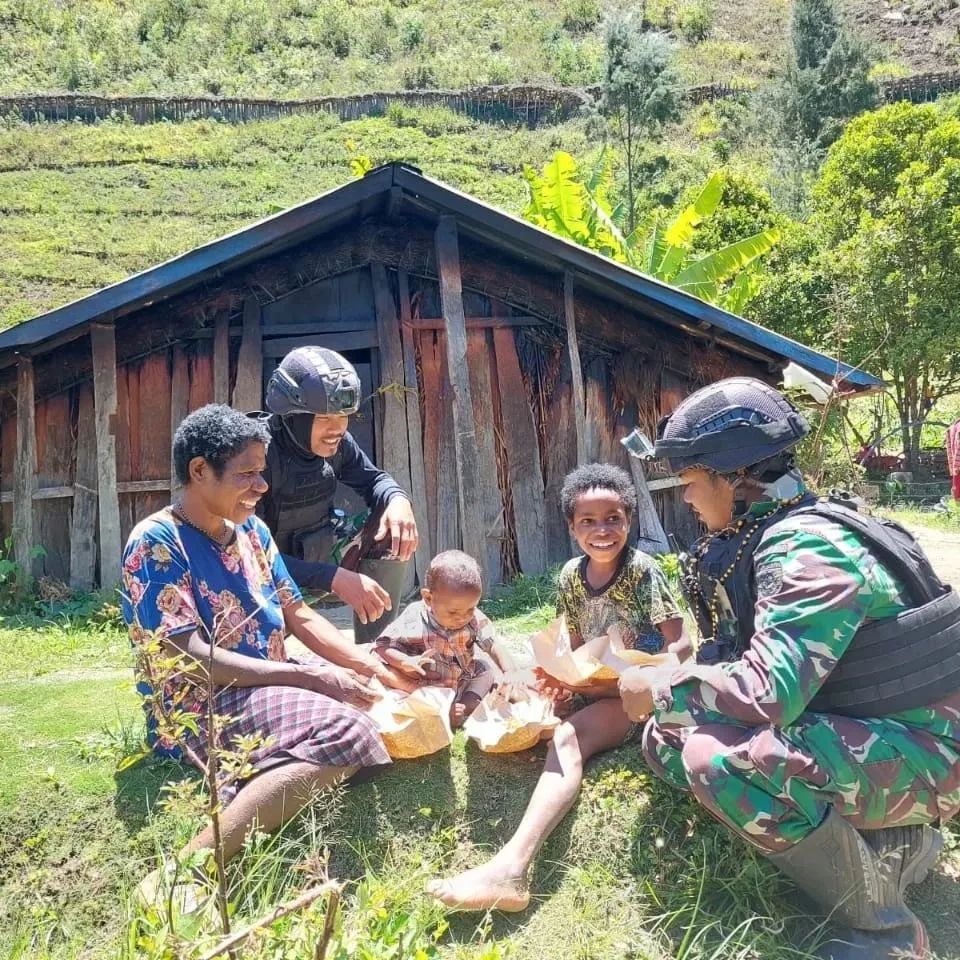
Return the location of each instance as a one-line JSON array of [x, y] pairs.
[[206, 569]]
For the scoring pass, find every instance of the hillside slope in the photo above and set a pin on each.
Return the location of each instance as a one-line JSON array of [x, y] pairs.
[[85, 206], [294, 48]]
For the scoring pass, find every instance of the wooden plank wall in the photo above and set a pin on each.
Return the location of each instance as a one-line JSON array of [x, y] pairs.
[[56, 446], [676, 516]]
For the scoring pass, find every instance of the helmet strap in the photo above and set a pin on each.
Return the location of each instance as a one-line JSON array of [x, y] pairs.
[[298, 427]]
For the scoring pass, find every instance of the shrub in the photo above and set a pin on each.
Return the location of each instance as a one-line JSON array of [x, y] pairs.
[[419, 76], [335, 31], [695, 21], [412, 33], [580, 16]]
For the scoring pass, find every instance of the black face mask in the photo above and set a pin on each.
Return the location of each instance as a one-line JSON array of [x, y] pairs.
[[299, 426]]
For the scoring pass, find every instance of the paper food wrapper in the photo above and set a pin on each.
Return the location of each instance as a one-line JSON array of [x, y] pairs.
[[509, 719], [602, 658], [413, 724]]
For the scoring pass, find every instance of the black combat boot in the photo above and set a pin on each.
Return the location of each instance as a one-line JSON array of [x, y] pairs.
[[860, 890], [909, 852]]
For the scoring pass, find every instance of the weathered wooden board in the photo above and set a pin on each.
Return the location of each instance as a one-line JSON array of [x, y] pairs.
[[464, 435], [105, 412], [491, 498], [55, 458], [247, 392], [201, 376], [430, 352], [356, 297], [523, 457], [573, 351], [412, 403], [278, 347], [561, 458], [83, 517], [396, 454], [179, 399], [8, 456], [678, 518], [122, 439], [132, 372], [24, 473], [396, 451], [449, 530], [154, 379], [221, 358]]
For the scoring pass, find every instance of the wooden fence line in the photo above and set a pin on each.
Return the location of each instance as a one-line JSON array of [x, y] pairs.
[[530, 105]]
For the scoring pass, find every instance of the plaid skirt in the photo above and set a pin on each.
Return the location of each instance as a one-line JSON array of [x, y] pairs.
[[303, 726]]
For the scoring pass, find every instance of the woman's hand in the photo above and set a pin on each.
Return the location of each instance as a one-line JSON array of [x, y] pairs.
[[335, 682], [367, 598]]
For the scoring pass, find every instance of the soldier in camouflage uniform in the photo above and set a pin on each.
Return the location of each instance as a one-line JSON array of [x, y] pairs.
[[821, 721]]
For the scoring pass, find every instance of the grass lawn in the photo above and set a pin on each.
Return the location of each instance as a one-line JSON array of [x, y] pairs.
[[636, 871]]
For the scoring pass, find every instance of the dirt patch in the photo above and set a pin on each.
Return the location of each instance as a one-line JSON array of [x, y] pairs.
[[943, 549], [922, 33]]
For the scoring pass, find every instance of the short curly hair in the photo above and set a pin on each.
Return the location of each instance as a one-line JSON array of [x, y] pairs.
[[454, 570], [217, 433], [597, 476]]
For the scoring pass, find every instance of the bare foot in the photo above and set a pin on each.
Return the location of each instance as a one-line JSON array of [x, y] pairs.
[[489, 887]]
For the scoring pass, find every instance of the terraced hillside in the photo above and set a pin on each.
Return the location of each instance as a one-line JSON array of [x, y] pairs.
[[302, 48], [84, 206]]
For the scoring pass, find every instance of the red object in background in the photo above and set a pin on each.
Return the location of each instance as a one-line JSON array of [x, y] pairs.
[[878, 462], [953, 457]]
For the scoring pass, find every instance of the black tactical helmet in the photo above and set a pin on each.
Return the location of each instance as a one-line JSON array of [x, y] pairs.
[[729, 425], [313, 380]]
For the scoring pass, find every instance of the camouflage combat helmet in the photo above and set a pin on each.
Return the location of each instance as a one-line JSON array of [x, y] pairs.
[[729, 425]]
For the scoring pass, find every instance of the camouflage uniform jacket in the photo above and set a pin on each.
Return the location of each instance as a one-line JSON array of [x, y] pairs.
[[817, 583]]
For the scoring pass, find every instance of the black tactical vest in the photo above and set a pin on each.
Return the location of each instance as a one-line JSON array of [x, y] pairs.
[[901, 663], [302, 489]]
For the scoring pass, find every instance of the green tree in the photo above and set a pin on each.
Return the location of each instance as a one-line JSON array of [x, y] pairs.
[[827, 77], [641, 91], [876, 278], [575, 206]]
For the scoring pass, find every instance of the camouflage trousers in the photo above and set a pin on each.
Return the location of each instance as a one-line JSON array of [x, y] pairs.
[[773, 786]]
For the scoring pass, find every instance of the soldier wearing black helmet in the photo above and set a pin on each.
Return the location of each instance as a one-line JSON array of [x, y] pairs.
[[821, 721], [310, 397]]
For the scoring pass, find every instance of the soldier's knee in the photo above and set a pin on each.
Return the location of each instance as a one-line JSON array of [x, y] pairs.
[[703, 754]]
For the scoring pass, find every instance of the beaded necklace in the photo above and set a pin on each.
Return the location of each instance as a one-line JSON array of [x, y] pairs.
[[219, 539], [713, 605]]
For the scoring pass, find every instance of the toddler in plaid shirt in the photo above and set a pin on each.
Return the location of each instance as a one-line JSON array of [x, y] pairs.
[[433, 640]]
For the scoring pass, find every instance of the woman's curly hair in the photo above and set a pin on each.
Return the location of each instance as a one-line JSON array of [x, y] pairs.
[[217, 433]]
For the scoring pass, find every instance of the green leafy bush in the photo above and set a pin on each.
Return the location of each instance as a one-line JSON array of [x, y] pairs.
[[695, 21]]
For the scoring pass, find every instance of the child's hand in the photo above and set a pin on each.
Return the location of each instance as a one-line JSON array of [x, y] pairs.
[[408, 664]]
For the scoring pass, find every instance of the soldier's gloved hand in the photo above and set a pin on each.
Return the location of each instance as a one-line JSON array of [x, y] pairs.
[[368, 599], [336, 682]]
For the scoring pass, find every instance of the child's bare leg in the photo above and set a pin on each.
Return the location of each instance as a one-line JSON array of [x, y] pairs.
[[501, 883], [462, 707]]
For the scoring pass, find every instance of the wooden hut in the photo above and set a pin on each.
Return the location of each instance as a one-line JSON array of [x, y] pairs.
[[494, 356]]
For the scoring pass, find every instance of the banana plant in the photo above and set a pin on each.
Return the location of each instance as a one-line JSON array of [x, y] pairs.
[[576, 206]]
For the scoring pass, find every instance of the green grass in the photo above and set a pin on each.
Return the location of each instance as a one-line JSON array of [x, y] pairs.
[[945, 521], [295, 48], [84, 206], [637, 871]]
